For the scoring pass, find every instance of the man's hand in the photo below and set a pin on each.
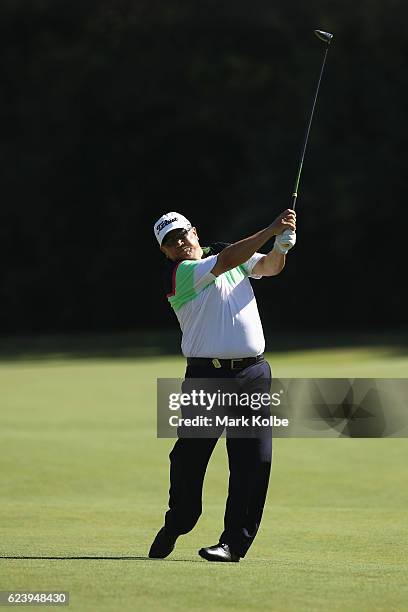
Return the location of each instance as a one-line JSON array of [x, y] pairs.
[[285, 241], [285, 221], [284, 228]]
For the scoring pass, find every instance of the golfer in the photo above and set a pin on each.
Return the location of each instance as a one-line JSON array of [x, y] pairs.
[[222, 338]]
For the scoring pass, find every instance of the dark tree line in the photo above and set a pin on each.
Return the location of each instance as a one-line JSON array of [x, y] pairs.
[[113, 112]]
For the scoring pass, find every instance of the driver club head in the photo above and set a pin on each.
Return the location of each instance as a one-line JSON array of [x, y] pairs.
[[326, 37]]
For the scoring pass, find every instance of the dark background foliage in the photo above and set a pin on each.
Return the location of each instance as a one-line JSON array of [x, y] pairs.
[[113, 112]]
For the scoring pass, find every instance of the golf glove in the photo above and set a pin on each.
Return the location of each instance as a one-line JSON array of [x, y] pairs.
[[285, 241]]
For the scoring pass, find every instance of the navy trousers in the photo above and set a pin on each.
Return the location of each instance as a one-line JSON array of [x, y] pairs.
[[249, 460]]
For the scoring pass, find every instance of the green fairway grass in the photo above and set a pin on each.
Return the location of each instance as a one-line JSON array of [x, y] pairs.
[[83, 475]]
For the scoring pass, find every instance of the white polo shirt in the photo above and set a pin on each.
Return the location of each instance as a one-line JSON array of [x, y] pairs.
[[218, 316]]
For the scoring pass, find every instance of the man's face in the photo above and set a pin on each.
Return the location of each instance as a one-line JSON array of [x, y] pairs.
[[181, 244]]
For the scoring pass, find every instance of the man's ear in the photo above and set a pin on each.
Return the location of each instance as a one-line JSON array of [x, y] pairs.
[[167, 255]]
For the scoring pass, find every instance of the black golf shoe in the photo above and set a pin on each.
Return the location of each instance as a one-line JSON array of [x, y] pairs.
[[163, 544], [219, 552]]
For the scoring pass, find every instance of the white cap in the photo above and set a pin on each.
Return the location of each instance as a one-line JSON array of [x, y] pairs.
[[168, 222]]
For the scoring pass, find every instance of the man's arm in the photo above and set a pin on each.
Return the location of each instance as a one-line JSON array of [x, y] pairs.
[[238, 253], [270, 265]]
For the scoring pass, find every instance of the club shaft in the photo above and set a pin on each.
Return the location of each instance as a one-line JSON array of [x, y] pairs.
[[302, 155]]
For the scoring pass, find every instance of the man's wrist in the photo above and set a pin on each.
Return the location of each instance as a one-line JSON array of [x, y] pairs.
[[273, 230], [277, 247], [285, 241]]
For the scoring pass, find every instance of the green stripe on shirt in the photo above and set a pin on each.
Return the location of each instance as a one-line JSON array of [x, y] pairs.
[[184, 284]]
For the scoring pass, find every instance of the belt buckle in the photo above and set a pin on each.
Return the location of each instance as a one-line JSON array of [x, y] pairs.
[[232, 362]]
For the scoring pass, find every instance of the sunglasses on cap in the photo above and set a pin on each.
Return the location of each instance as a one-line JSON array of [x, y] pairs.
[[174, 238]]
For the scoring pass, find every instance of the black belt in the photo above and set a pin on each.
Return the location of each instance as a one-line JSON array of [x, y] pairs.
[[227, 364]]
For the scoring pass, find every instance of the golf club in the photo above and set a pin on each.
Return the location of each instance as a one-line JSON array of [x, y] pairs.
[[326, 37]]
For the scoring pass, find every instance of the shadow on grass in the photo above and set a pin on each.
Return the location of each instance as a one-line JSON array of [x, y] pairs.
[[150, 344], [94, 558]]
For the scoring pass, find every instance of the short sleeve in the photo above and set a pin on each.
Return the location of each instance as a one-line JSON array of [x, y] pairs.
[[249, 265], [190, 277]]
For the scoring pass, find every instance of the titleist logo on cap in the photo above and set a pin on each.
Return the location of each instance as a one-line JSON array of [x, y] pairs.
[[169, 222], [163, 224]]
